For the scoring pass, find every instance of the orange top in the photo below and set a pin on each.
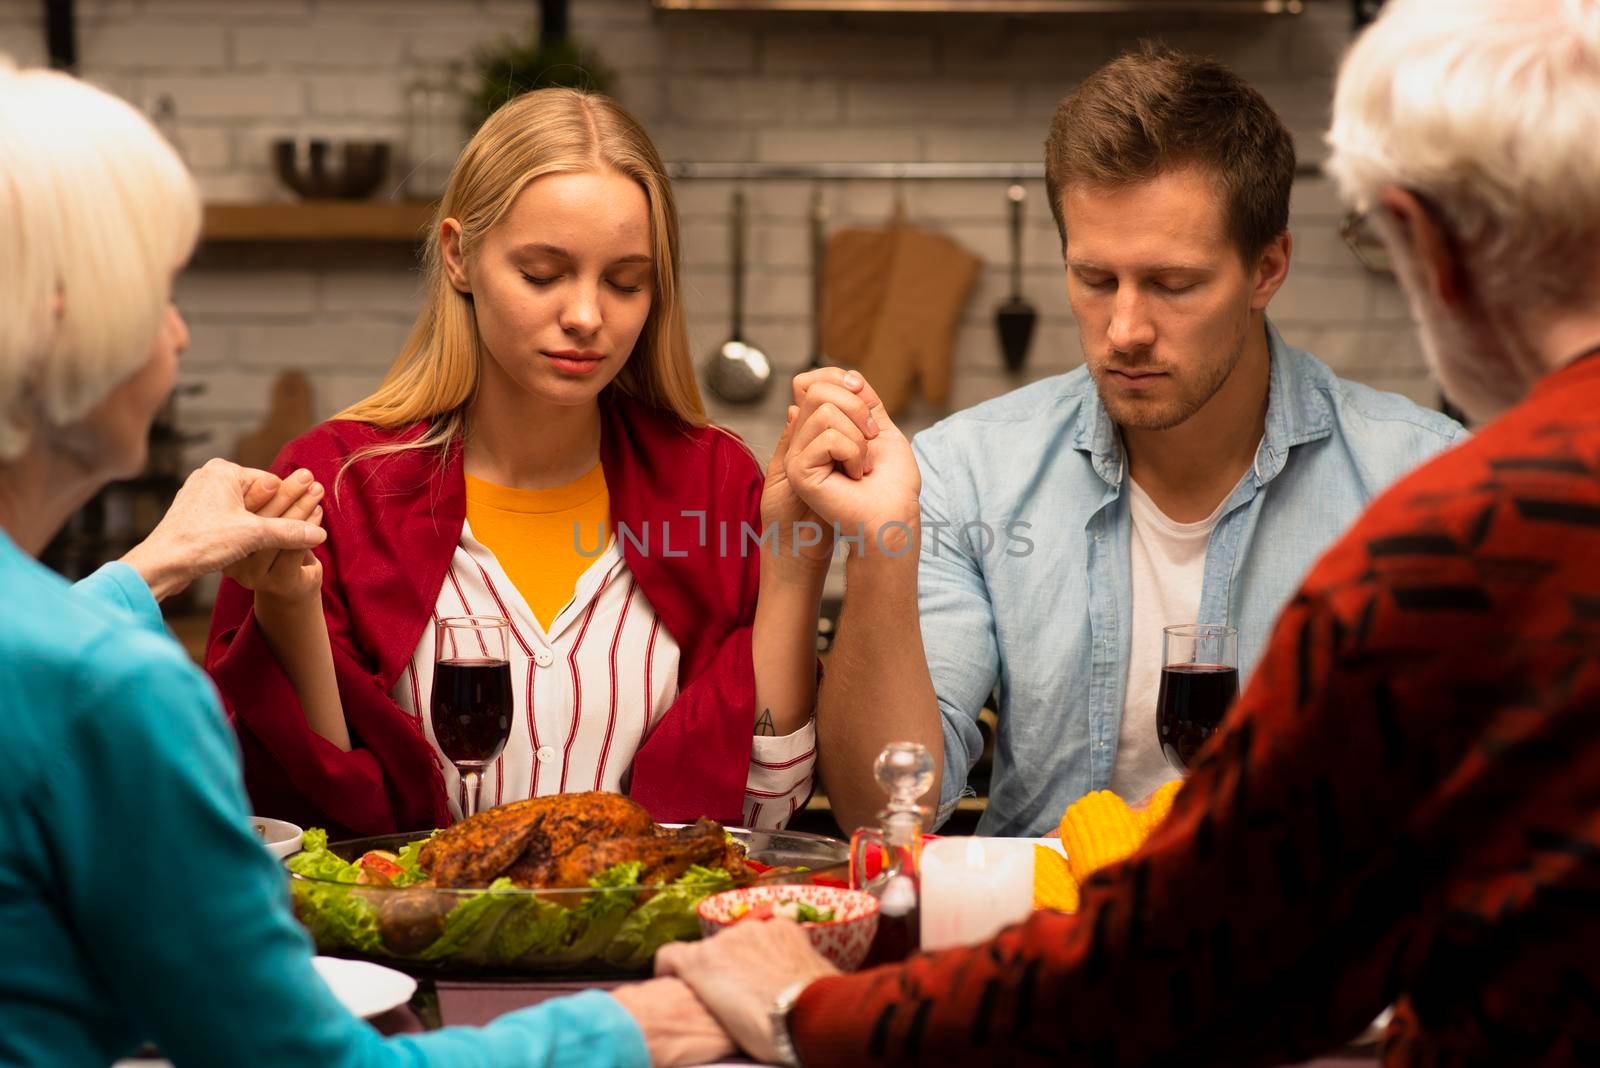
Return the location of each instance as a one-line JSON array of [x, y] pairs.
[[540, 536]]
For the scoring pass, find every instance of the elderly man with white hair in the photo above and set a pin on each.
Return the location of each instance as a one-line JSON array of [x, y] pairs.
[[1404, 806]]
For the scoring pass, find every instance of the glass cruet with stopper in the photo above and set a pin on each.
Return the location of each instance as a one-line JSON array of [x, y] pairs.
[[885, 860]]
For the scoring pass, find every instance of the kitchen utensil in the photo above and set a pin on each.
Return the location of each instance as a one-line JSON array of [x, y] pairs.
[[738, 372], [913, 335], [318, 169], [1016, 318], [856, 272], [819, 253]]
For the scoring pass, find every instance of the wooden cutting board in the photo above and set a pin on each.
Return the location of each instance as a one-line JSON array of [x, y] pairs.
[[290, 416], [929, 282], [855, 274]]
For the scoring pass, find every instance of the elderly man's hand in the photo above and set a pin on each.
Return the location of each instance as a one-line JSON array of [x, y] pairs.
[[213, 524], [740, 973], [677, 1028]]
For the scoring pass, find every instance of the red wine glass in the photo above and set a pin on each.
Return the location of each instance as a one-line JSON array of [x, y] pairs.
[[1199, 681], [471, 706]]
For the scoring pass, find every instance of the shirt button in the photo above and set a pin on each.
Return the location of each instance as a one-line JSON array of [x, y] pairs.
[[543, 658], [546, 754]]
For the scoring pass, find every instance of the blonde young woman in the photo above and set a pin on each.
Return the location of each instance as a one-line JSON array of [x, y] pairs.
[[543, 409]]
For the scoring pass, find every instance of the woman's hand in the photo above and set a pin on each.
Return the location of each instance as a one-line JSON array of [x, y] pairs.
[[216, 520], [287, 575], [803, 536], [848, 462], [677, 1028]]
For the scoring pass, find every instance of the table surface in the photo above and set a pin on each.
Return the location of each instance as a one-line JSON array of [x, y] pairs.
[[461, 1003]]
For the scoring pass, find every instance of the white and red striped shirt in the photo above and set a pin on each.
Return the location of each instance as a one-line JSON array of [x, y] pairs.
[[587, 692]]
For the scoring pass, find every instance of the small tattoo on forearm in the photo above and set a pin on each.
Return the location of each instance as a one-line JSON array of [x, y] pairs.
[[764, 723]]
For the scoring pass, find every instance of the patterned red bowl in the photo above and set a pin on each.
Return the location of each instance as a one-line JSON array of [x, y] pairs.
[[844, 939]]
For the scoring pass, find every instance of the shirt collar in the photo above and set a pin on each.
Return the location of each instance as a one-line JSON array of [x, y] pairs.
[[1298, 411]]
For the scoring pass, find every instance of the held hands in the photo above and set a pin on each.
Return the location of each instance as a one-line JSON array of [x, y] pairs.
[[740, 972], [845, 462], [286, 574], [217, 519], [677, 1028]]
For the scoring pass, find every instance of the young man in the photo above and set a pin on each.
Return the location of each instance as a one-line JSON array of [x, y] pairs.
[[1191, 472], [1405, 804]]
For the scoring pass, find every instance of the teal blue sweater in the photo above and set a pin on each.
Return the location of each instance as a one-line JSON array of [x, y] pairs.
[[135, 900]]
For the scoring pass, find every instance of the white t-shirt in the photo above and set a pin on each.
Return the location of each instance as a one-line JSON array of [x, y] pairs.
[[1168, 562]]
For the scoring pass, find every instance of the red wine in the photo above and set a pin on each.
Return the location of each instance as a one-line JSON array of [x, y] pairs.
[[1193, 700], [471, 709]]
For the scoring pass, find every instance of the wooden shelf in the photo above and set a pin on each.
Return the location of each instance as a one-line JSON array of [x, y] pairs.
[[318, 220]]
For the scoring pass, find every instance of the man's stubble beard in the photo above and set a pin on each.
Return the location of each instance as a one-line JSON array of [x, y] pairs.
[[1190, 399]]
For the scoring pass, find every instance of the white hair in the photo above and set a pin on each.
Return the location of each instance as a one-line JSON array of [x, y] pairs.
[[96, 214], [1489, 110]]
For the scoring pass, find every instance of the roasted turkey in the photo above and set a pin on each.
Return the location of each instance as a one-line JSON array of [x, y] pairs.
[[664, 856], [477, 851], [546, 843]]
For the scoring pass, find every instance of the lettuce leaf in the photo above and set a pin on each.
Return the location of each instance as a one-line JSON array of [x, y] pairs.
[[469, 928], [410, 858], [504, 925], [316, 861], [669, 916]]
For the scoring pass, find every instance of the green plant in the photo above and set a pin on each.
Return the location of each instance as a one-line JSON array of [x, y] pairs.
[[512, 66]]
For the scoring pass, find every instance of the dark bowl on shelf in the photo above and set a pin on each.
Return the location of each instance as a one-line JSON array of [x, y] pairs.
[[318, 169]]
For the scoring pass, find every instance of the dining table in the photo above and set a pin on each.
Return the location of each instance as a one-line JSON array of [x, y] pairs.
[[468, 1003]]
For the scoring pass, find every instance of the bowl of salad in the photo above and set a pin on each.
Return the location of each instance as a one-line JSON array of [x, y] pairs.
[[535, 888], [840, 923]]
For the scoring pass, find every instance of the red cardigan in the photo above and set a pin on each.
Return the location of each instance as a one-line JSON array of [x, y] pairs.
[[392, 528]]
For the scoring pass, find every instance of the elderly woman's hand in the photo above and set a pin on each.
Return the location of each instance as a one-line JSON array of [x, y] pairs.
[[740, 972], [287, 574], [677, 1028], [213, 524]]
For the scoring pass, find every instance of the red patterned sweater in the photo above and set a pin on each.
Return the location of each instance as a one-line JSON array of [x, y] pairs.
[[1404, 806]]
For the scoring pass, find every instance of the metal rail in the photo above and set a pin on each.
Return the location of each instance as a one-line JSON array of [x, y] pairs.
[[997, 7], [865, 171], [894, 172]]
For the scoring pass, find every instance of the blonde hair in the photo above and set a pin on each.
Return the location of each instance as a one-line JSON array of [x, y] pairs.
[[549, 131], [97, 212], [1488, 110]]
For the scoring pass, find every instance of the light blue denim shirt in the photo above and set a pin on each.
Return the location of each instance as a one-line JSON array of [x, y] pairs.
[[1033, 599]]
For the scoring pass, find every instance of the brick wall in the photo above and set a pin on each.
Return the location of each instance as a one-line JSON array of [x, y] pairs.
[[710, 87]]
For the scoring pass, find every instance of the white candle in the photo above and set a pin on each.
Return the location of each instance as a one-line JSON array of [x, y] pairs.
[[972, 887]]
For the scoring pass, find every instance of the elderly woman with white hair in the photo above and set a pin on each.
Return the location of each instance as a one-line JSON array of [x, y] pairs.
[[1404, 805], [135, 901]]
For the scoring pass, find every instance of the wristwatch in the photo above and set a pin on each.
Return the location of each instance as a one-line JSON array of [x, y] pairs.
[[778, 1021]]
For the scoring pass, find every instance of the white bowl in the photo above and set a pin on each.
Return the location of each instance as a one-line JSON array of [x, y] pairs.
[[278, 836], [845, 939]]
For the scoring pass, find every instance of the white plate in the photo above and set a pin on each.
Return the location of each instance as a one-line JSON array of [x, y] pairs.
[[364, 988]]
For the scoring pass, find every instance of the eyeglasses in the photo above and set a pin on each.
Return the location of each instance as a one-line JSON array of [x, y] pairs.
[[1359, 233]]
